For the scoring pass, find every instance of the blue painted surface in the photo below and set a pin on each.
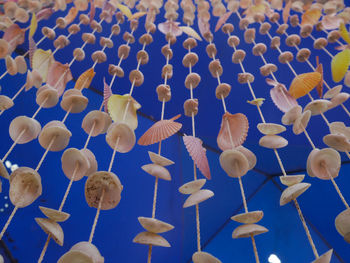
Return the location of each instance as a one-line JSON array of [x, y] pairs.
[[117, 228]]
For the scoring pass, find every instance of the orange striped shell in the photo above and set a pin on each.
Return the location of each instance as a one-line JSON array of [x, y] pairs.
[[160, 131], [304, 83]]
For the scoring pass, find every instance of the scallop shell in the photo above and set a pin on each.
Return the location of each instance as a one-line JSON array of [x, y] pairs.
[[54, 75], [304, 83], [235, 124], [222, 20], [319, 87], [85, 79], [198, 154], [107, 93], [160, 131], [340, 64], [286, 11], [283, 100], [170, 27], [311, 17]]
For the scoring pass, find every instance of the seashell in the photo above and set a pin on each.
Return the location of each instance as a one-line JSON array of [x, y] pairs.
[[274, 17], [159, 131], [106, 42], [143, 57], [82, 252], [192, 80], [157, 171], [189, 43], [248, 230], [190, 59], [325, 258], [243, 24], [99, 56], [264, 28], [303, 54], [54, 215], [92, 161], [61, 42], [342, 224], [338, 142], [115, 70], [305, 30], [21, 15], [4, 48], [84, 80], [146, 39], [227, 28], [318, 106], [204, 257], [74, 162], [103, 182], [222, 90], [293, 40], [340, 64], [84, 19], [148, 238], [301, 122], [95, 26], [154, 225], [51, 228], [123, 51], [285, 57], [338, 99], [23, 129], [339, 128], [25, 187], [238, 56], [268, 69], [197, 152], [245, 78], [10, 9], [47, 97], [285, 12], [320, 43], [115, 29], [234, 163], [256, 102], [311, 16], [249, 35], [192, 187], [129, 38], [14, 36], [330, 22], [325, 163], [259, 49], [191, 107], [233, 41], [88, 38], [293, 192], [54, 76], [42, 61], [215, 68], [160, 160], [11, 65], [297, 6], [97, 119], [56, 134], [248, 218], [163, 92], [136, 77], [198, 197], [21, 64], [333, 92], [292, 179], [282, 29], [275, 42], [79, 54], [304, 83], [291, 115], [347, 79], [235, 126], [74, 29], [282, 98], [120, 137], [273, 142], [333, 36], [270, 128], [3, 171]]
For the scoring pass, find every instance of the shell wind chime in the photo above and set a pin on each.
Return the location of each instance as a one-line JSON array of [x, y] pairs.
[[91, 33]]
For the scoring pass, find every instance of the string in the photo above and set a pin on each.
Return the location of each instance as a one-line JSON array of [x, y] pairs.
[[257, 260], [45, 153], [69, 187], [43, 252], [8, 222], [243, 195], [90, 133], [96, 217], [337, 188], [13, 145]]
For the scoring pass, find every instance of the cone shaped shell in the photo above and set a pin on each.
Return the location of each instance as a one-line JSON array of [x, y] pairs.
[[24, 129], [154, 225], [235, 124], [323, 160], [204, 257], [304, 83], [118, 104], [98, 121], [270, 128], [25, 186], [198, 197], [198, 154], [283, 100], [325, 258], [157, 171], [82, 252], [249, 155], [192, 187], [99, 182], [301, 122], [234, 163], [3, 171], [121, 137], [291, 115], [160, 160], [159, 131], [248, 230], [317, 106], [248, 218], [53, 214], [292, 179], [57, 132], [74, 162], [338, 142], [292, 192], [148, 238], [51, 228], [273, 142]]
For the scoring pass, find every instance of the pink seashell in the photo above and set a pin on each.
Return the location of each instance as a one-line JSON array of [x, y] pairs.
[[203, 26], [170, 27], [107, 92], [55, 79], [222, 20], [110, 9], [235, 125], [160, 131], [44, 14], [14, 35], [92, 10], [32, 48], [198, 154], [281, 97], [330, 22]]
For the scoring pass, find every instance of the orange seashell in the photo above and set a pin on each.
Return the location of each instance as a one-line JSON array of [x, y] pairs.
[[304, 83], [319, 86], [72, 14], [286, 11], [85, 79], [198, 154], [160, 131], [311, 16], [235, 125]]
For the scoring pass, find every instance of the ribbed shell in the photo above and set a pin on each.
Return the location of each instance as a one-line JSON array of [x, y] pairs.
[[107, 92], [304, 83], [85, 79], [282, 98]]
